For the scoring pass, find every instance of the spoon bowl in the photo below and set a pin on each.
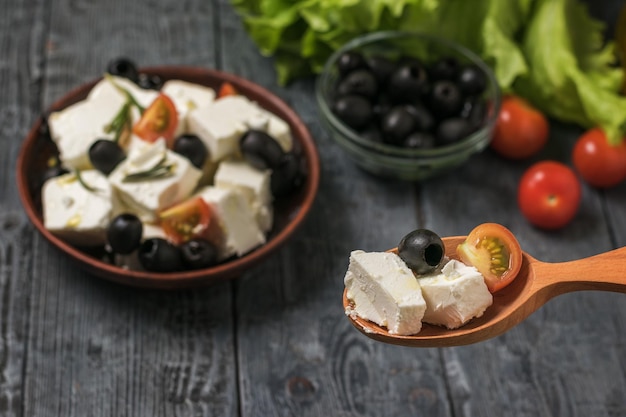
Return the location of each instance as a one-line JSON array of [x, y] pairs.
[[536, 283]]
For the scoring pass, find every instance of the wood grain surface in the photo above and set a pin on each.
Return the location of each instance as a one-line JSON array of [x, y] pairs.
[[276, 342]]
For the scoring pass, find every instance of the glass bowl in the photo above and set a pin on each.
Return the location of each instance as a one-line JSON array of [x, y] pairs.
[[396, 162]]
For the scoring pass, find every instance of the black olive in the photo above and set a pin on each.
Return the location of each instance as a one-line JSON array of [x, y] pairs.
[[445, 68], [124, 233], [422, 250], [475, 111], [381, 67], [381, 107], [397, 125], [192, 148], [198, 253], [123, 67], [353, 110], [260, 149], [472, 80], [445, 99], [452, 130], [287, 176], [408, 82], [424, 120], [350, 61], [372, 133], [105, 155], [150, 82], [361, 82], [419, 140], [159, 255], [44, 127]]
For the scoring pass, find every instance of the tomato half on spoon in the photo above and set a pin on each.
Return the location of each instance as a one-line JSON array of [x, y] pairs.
[[159, 120], [495, 252], [187, 220]]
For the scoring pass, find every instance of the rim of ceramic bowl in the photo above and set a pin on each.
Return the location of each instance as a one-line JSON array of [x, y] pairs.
[[323, 86]]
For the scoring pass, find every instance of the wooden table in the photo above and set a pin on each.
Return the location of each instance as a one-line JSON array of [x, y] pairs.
[[275, 342]]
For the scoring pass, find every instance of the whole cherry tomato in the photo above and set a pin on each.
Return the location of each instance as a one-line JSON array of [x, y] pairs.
[[549, 194], [521, 130], [597, 161]]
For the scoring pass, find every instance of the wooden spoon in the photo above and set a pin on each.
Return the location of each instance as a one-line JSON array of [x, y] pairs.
[[536, 283]]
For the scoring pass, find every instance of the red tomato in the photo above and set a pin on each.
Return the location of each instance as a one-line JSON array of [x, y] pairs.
[[598, 162], [190, 219], [227, 89], [521, 130], [158, 120], [549, 194], [495, 252]]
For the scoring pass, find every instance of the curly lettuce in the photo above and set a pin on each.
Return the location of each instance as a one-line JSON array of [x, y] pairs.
[[551, 52]]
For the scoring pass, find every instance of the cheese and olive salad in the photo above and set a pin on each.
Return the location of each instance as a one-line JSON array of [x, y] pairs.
[[170, 177], [417, 285]]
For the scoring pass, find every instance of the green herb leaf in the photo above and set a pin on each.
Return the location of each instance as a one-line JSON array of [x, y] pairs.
[[121, 125], [84, 184], [158, 171]]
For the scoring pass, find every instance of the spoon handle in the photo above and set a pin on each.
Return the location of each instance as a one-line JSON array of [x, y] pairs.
[[604, 272]]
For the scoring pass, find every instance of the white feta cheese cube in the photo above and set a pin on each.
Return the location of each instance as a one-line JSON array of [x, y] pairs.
[[108, 87], [221, 124], [240, 231], [394, 295], [187, 97], [75, 128], [255, 184], [455, 296], [366, 308], [78, 126], [77, 214], [150, 195], [219, 130]]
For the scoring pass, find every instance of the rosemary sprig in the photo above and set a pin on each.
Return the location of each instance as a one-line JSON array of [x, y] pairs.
[[121, 124], [159, 170], [84, 184]]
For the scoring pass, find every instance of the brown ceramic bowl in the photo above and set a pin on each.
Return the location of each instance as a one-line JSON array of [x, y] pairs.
[[289, 213]]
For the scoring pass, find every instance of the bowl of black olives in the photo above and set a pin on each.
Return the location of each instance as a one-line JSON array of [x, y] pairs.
[[406, 105], [290, 206]]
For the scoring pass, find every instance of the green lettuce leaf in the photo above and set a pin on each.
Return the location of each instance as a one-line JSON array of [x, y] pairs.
[[571, 77]]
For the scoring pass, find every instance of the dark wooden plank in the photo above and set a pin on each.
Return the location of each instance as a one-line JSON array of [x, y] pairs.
[[96, 348], [21, 30]]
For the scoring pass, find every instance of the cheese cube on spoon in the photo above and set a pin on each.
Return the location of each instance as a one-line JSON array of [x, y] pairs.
[[392, 295], [454, 296]]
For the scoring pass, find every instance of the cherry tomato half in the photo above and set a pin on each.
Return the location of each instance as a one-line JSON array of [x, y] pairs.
[[227, 89], [598, 162], [190, 219], [160, 119], [549, 194], [521, 130], [495, 252]]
